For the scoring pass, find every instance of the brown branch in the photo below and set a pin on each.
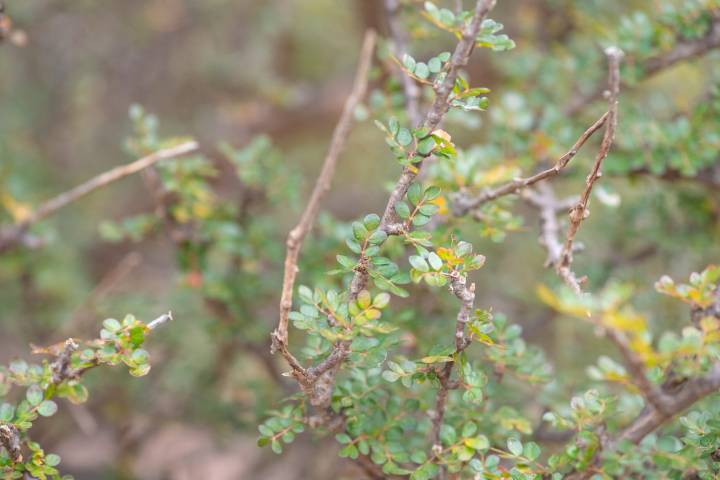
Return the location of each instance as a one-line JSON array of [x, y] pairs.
[[297, 234], [10, 439], [466, 294], [437, 111], [462, 204], [399, 40], [389, 222], [580, 211], [10, 236], [543, 198], [652, 66]]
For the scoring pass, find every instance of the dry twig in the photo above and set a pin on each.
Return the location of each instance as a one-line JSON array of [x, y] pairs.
[[297, 235], [11, 236], [462, 204], [580, 211]]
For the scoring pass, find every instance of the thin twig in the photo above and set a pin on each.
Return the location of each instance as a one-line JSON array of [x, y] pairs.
[[463, 203], [580, 211], [10, 236], [297, 234], [652, 66]]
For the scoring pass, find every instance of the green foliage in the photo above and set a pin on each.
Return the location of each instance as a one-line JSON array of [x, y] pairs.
[[120, 342], [224, 214]]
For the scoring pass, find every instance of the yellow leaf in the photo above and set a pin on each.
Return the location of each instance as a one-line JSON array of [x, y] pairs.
[[626, 321], [18, 210], [442, 205]]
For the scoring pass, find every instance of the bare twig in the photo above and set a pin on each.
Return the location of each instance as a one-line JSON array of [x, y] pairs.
[[463, 203], [10, 236], [580, 211], [160, 321], [682, 51], [543, 198], [297, 234]]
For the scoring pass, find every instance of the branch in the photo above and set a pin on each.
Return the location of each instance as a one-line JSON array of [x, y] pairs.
[[297, 235], [580, 211], [543, 198], [437, 111], [652, 66], [11, 236], [463, 203], [389, 222], [466, 295]]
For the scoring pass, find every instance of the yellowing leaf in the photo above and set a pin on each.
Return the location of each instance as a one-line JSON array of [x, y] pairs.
[[626, 321], [18, 210]]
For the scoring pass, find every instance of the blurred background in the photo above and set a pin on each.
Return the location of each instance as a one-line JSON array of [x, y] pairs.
[[227, 71]]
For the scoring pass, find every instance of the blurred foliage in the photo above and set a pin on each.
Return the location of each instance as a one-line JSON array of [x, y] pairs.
[[259, 84]]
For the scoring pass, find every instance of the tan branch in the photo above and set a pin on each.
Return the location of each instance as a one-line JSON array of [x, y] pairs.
[[580, 211], [463, 203], [10, 236], [297, 235]]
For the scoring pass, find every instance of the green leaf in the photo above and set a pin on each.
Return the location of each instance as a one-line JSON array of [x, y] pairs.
[[425, 472], [381, 300], [408, 62], [414, 193], [448, 436], [435, 262], [515, 446], [419, 220], [47, 408], [52, 460], [377, 237], [7, 412], [419, 263], [359, 231], [426, 146], [404, 137], [112, 325], [435, 64], [480, 442], [34, 395], [531, 451], [349, 451], [469, 429], [371, 221], [390, 376], [422, 70], [343, 438], [402, 209]]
